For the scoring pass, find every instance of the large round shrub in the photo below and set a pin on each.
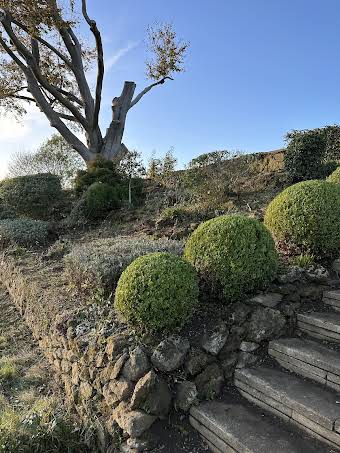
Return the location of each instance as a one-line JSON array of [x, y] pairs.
[[307, 215], [23, 232], [235, 254], [100, 198], [335, 176], [157, 291], [34, 196]]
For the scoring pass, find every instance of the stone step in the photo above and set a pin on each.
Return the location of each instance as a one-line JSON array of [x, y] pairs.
[[308, 405], [325, 326], [332, 298], [240, 428], [309, 359]]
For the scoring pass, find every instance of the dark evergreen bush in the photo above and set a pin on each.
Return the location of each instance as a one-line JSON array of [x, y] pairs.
[[100, 198], [304, 156], [34, 196]]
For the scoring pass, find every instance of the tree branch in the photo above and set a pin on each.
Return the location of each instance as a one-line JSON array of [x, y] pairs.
[[32, 63], [54, 119], [23, 98], [45, 43], [66, 117], [147, 89], [100, 62]]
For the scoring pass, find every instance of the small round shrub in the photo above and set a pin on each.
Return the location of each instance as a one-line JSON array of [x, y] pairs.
[[100, 198], [23, 232], [235, 254], [34, 196], [307, 215], [335, 176], [157, 291]]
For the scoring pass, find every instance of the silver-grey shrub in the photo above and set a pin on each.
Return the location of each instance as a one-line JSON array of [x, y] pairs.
[[23, 232], [97, 266]]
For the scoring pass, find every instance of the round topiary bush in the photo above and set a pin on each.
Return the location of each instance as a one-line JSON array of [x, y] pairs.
[[307, 215], [335, 176], [100, 198], [235, 254], [24, 232], [34, 196], [158, 291]]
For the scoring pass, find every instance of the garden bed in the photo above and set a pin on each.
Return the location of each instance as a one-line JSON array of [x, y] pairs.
[[127, 379]]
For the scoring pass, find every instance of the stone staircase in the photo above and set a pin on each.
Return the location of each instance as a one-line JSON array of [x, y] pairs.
[[299, 392]]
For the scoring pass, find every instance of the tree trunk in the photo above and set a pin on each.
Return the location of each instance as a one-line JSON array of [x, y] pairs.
[[130, 194]]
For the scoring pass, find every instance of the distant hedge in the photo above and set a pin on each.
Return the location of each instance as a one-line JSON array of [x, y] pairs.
[[307, 215], [34, 196]]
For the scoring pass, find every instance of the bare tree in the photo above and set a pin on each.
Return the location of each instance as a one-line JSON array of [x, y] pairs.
[[45, 62], [54, 156]]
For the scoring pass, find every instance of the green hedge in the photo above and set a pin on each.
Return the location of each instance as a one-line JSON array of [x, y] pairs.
[[307, 215], [100, 198], [34, 196], [157, 291], [23, 232], [233, 253]]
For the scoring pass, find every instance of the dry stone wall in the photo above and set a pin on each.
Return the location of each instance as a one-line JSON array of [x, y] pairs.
[[127, 382]]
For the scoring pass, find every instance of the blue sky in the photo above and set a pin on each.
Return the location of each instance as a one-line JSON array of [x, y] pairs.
[[255, 70]]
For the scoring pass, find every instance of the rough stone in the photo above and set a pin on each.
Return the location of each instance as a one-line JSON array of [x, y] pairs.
[[152, 394], [186, 395], [270, 300], [86, 390], [294, 274], [317, 273], [145, 443], [234, 342], [209, 382], [240, 312], [75, 374], [214, 340], [133, 422], [122, 388], [228, 364], [116, 345], [137, 365], [170, 353], [265, 323], [117, 368], [246, 359], [197, 360], [248, 346], [336, 266]]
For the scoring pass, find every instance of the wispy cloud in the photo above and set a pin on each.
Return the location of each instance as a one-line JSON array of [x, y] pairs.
[[115, 57]]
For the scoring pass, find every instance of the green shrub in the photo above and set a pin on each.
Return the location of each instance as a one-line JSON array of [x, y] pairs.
[[307, 215], [335, 176], [23, 232], [98, 265], [158, 291], [99, 170], [100, 198], [304, 155], [34, 196], [234, 254]]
